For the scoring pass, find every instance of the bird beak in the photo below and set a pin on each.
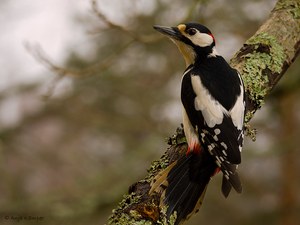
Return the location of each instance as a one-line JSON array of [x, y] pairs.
[[171, 32]]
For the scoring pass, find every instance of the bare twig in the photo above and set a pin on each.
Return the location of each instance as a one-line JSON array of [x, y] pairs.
[[136, 37], [40, 55]]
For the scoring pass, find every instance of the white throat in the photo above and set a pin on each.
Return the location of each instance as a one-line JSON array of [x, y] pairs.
[[188, 53]]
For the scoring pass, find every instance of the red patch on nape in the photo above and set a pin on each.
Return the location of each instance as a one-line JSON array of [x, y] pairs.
[[194, 148], [213, 37]]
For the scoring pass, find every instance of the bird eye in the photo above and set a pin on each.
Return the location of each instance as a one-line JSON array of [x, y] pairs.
[[191, 31]]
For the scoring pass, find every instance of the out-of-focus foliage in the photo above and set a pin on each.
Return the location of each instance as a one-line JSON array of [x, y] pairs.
[[71, 157]]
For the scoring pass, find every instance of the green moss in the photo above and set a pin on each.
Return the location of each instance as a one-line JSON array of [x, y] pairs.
[[136, 219], [177, 138], [164, 220], [249, 116], [249, 131], [266, 59], [125, 219], [120, 218], [292, 6], [156, 166], [127, 213], [173, 218]]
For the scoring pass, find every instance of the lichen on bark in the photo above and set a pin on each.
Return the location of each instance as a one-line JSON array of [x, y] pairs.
[[138, 207], [263, 56], [291, 6]]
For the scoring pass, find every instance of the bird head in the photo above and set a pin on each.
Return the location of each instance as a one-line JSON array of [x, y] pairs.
[[194, 41]]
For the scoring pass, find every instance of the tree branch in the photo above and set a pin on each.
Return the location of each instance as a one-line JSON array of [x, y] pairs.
[[262, 61], [112, 25]]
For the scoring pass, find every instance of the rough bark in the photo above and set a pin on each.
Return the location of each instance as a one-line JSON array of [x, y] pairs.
[[262, 61]]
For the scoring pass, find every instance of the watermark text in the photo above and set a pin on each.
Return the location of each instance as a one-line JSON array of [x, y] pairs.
[[20, 218]]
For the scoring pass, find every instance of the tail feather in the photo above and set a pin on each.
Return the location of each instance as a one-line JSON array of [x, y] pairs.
[[230, 175], [179, 184], [184, 196], [160, 182], [189, 202], [183, 185], [226, 187], [230, 179]]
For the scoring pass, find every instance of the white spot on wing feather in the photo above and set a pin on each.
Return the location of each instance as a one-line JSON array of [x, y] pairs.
[[217, 131], [224, 145]]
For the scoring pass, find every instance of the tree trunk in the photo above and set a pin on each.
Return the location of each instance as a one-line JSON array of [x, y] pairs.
[[261, 61]]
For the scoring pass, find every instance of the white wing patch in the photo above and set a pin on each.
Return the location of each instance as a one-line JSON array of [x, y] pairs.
[[237, 111], [211, 109]]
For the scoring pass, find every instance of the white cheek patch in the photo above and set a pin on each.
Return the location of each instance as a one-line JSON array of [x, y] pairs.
[[201, 39]]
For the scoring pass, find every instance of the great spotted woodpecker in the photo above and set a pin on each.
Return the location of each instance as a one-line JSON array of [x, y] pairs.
[[212, 95]]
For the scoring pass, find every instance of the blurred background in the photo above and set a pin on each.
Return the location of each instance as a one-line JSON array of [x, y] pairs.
[[89, 92]]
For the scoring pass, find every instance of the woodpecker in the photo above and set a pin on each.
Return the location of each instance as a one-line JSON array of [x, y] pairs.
[[212, 96]]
